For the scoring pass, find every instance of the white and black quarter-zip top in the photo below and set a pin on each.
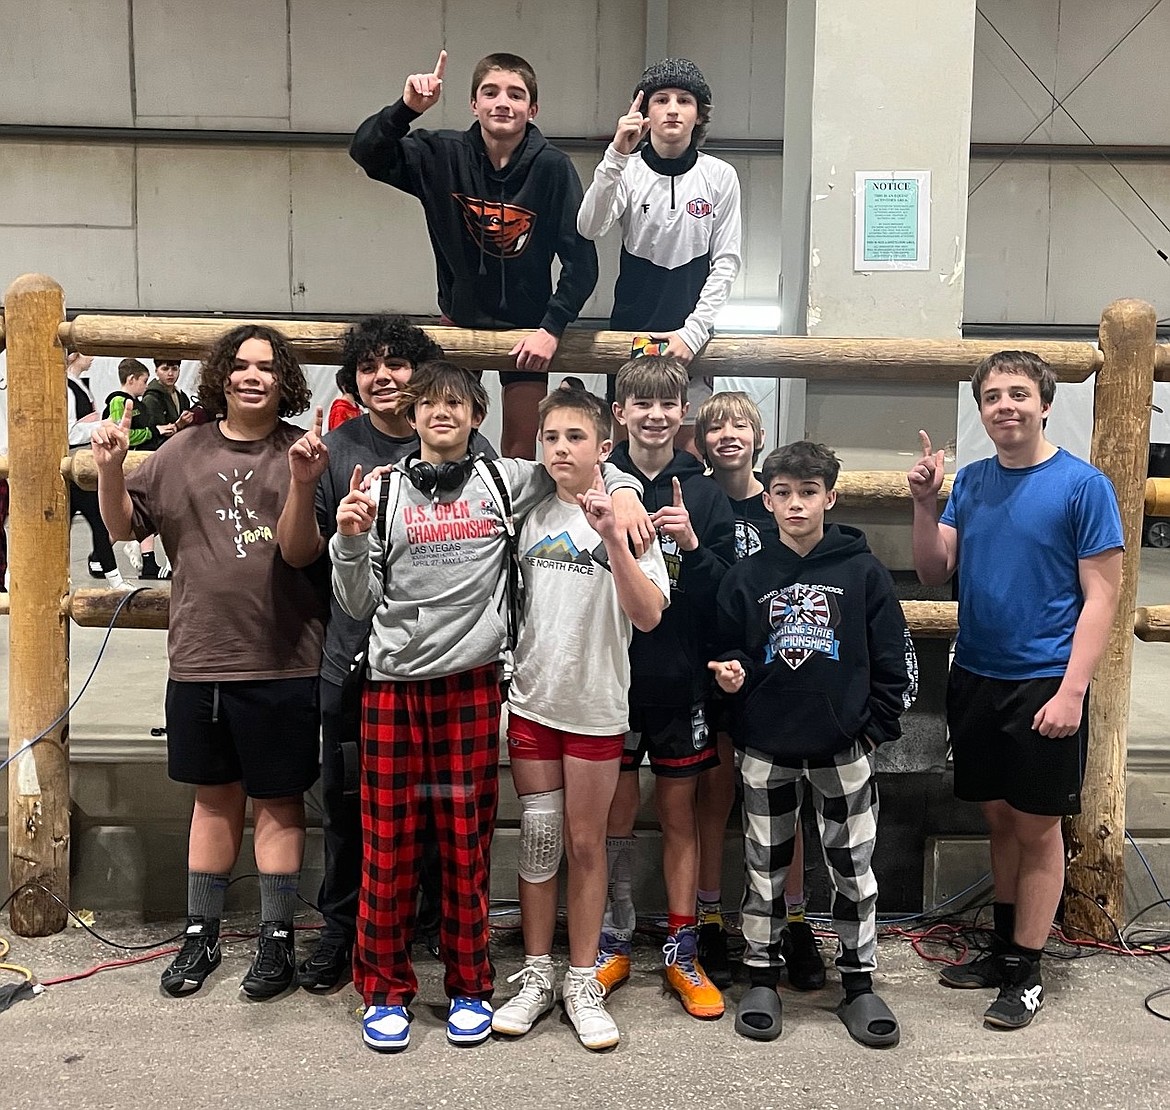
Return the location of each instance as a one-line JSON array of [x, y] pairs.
[[681, 226]]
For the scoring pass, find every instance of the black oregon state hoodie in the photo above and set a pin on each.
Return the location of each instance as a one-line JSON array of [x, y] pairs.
[[494, 232], [828, 655], [668, 666]]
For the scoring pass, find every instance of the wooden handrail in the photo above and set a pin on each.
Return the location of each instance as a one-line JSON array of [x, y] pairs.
[[595, 352]]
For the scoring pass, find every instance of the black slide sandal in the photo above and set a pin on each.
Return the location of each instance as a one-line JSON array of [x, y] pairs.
[[762, 1004], [862, 1014]]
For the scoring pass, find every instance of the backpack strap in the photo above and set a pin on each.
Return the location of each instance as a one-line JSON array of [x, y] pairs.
[[493, 478]]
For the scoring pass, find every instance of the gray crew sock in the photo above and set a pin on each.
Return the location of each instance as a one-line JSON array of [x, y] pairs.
[[278, 897], [205, 894]]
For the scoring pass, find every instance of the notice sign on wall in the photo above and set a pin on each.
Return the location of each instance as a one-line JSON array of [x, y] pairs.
[[891, 223]]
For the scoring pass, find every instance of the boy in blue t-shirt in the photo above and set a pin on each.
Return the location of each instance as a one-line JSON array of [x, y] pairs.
[[1036, 536]]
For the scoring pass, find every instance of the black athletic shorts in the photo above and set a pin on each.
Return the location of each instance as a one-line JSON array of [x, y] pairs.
[[677, 740], [999, 756], [722, 713], [265, 734]]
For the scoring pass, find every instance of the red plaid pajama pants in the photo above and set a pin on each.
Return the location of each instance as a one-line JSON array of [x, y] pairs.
[[430, 752]]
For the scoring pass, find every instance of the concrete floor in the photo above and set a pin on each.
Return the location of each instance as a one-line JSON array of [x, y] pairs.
[[115, 1041]]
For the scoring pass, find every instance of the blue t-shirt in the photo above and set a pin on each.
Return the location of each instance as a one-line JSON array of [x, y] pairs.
[[1020, 535]]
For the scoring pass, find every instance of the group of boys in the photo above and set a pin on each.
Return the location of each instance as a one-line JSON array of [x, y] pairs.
[[627, 612], [501, 203], [159, 409]]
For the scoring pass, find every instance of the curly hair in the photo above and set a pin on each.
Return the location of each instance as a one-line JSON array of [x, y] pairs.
[[219, 361], [391, 336]]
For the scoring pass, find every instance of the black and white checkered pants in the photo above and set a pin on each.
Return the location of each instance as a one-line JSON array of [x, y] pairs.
[[845, 798]]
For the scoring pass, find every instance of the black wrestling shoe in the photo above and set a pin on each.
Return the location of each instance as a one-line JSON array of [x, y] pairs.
[[274, 968], [330, 963], [197, 959], [1021, 994]]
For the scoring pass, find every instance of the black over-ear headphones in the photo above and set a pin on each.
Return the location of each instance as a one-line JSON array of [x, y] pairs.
[[432, 479]]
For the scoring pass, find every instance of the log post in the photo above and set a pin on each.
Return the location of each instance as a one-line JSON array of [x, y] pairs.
[[38, 630], [1095, 840]]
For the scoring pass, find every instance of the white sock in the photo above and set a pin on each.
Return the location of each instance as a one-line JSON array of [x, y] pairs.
[[114, 579]]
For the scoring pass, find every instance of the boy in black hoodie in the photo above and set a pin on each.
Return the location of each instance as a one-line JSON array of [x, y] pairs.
[[668, 676], [820, 656], [500, 203]]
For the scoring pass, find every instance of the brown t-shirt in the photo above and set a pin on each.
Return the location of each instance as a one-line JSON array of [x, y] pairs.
[[238, 610]]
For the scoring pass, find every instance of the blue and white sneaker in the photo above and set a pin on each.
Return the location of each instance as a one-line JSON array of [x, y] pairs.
[[386, 1028], [469, 1020]]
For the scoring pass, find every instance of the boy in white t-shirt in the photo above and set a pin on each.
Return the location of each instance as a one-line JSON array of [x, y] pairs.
[[584, 593]]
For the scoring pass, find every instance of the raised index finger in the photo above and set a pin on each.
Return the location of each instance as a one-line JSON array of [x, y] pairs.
[[441, 65], [924, 439], [677, 493], [637, 102], [318, 420], [355, 479], [127, 415]]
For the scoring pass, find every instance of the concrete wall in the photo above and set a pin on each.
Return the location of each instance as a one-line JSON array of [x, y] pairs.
[[301, 230], [284, 228]]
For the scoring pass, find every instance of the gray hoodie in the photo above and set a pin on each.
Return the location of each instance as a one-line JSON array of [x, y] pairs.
[[441, 609]]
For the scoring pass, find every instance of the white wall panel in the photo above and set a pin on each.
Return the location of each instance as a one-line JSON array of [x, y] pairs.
[[1007, 101], [65, 62], [1063, 40], [216, 63], [1097, 254], [1127, 100], [760, 182], [358, 245], [67, 184], [739, 46], [213, 229], [349, 60], [1008, 232], [95, 266]]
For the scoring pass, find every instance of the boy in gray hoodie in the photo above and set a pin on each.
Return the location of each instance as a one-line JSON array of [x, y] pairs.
[[432, 575]]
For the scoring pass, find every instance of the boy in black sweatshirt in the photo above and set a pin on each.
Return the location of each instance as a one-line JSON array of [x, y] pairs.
[[500, 203], [669, 682], [818, 652]]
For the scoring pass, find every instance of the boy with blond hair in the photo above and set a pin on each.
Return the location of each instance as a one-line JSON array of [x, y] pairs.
[[669, 682], [584, 593]]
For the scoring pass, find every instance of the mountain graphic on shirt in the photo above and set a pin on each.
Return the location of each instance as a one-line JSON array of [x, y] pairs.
[[559, 548]]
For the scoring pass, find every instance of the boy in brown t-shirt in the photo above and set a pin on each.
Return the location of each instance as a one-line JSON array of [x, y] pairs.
[[244, 642]]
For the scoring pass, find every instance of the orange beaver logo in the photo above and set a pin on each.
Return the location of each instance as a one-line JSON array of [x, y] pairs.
[[503, 229]]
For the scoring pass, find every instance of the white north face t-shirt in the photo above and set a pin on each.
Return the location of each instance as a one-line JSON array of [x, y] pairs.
[[572, 659]]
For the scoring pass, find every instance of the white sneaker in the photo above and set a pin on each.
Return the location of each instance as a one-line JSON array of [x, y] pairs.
[[133, 551], [531, 1002], [584, 999]]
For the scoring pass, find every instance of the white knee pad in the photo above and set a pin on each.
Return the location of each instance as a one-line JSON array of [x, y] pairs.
[[542, 820]]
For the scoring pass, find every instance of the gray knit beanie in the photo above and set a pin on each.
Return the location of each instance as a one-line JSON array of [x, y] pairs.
[[674, 73]]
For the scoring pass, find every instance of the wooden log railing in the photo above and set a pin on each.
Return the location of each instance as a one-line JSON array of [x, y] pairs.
[[591, 352], [35, 330]]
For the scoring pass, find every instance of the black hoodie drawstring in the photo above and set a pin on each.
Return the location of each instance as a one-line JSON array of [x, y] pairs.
[[503, 267]]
